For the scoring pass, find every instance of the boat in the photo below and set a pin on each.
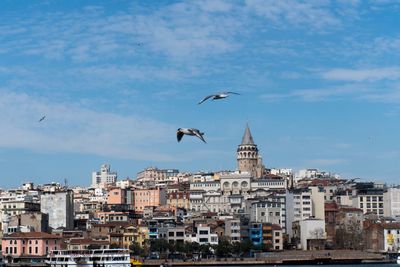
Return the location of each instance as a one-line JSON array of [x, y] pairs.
[[136, 262], [89, 257]]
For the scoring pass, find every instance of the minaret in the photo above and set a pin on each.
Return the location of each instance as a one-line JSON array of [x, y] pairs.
[[247, 155]]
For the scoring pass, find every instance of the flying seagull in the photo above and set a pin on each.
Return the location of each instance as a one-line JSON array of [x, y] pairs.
[[218, 96], [189, 131], [42, 118]]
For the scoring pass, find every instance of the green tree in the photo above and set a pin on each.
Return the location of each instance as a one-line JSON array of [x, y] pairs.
[[224, 248], [245, 247], [160, 245], [136, 249]]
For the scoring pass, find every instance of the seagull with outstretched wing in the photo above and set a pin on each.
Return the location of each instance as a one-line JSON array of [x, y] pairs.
[[218, 96], [189, 131], [42, 118]]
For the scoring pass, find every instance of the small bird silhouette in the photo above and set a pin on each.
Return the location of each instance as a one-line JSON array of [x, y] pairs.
[[42, 118], [189, 131], [218, 96]]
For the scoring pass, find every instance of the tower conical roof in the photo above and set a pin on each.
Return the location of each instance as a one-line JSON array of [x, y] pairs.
[[247, 138]]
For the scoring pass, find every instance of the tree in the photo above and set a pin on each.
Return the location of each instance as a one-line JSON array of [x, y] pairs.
[[224, 248], [160, 245], [246, 246], [136, 249], [349, 236]]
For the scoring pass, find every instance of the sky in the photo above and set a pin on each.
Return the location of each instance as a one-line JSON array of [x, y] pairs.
[[319, 85]]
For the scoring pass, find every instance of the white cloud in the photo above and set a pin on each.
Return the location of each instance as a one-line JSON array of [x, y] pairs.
[[361, 75], [320, 94], [69, 128], [313, 14]]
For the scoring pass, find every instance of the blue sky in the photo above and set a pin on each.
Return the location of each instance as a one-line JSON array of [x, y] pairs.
[[319, 84]]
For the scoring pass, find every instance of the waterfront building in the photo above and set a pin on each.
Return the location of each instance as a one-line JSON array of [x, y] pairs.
[[311, 234], [256, 234], [202, 235], [232, 230], [28, 245], [277, 237], [391, 237]]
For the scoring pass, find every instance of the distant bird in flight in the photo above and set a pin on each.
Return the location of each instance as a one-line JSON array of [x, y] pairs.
[[218, 96], [189, 131], [42, 118]]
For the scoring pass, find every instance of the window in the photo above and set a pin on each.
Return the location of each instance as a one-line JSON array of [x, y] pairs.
[[36, 250], [203, 232], [277, 234]]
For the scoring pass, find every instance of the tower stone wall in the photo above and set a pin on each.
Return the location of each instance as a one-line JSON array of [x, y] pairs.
[[247, 156]]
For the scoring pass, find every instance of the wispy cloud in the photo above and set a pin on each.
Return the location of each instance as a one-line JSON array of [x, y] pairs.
[[360, 75], [284, 13], [72, 129], [320, 94]]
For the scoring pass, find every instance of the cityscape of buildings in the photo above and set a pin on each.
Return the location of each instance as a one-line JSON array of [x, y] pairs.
[[271, 209]]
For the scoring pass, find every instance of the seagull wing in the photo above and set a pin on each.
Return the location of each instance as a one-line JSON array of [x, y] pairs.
[[179, 135], [204, 99], [198, 134], [232, 93]]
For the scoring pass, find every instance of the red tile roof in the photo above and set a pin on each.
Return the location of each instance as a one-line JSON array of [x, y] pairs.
[[82, 241], [36, 235], [391, 225]]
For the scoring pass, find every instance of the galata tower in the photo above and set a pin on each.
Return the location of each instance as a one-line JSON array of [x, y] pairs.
[[247, 156]]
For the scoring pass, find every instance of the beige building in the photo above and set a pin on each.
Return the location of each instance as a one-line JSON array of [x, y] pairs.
[[318, 202], [149, 197]]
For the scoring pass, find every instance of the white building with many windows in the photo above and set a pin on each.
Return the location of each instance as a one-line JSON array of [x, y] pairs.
[[104, 176]]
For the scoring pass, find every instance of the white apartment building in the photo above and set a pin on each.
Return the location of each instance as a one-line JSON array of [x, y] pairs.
[[264, 211], [311, 229], [369, 200], [204, 236], [391, 202], [104, 177], [232, 230]]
